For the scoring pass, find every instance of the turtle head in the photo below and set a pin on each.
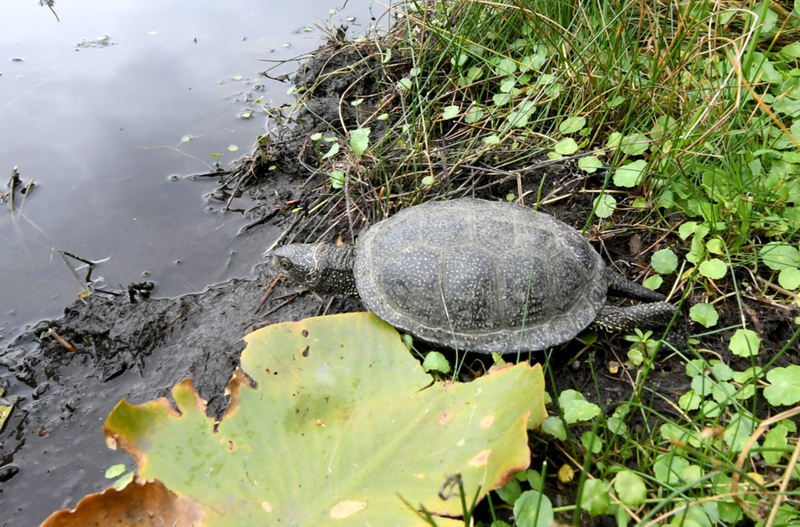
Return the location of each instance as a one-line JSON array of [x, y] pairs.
[[322, 268]]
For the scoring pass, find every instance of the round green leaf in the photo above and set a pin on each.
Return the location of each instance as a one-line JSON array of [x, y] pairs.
[[695, 367], [616, 426], [704, 314], [690, 401], [533, 509], [713, 268], [359, 141], [590, 164], [428, 181], [404, 84], [634, 144], [595, 499], [745, 343], [722, 372], [566, 146], [337, 179], [630, 488], [784, 389], [739, 430], [332, 152], [576, 407], [614, 139], [518, 119], [474, 115], [114, 471], [572, 124], [554, 426], [501, 98], [702, 384], [511, 491], [616, 101], [554, 90], [776, 438], [789, 278], [668, 468], [506, 67], [636, 357], [435, 361], [450, 112], [653, 282], [233, 148], [687, 229], [588, 439], [779, 256], [791, 50], [186, 139], [630, 175], [604, 205], [492, 139], [715, 246], [664, 261], [507, 85]]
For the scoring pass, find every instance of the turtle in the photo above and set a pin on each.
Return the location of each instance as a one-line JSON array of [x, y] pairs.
[[477, 275]]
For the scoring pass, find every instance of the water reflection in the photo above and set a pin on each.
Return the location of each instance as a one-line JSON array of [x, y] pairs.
[[93, 109]]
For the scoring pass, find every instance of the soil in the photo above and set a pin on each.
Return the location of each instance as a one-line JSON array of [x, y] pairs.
[[52, 450]]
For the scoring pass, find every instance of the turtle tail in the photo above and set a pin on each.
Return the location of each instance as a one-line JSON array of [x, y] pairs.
[[618, 285]]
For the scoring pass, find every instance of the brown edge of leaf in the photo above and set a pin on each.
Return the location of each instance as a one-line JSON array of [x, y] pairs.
[[512, 471], [232, 390], [141, 503], [114, 440]]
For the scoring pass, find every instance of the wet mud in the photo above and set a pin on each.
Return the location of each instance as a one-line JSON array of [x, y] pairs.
[[52, 449]]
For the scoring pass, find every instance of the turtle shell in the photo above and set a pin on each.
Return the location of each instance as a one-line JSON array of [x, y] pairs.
[[480, 276]]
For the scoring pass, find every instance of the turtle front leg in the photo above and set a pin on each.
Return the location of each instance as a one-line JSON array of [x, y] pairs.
[[646, 317]]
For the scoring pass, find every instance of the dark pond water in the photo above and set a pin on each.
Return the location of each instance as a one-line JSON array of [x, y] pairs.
[[95, 109]]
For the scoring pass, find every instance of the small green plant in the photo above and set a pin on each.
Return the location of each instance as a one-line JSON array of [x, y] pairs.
[[642, 346], [122, 475]]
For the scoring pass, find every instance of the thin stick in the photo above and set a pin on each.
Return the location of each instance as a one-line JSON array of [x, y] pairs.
[[24, 196], [61, 341], [266, 295], [274, 309], [74, 272], [330, 303], [347, 203], [67, 253]]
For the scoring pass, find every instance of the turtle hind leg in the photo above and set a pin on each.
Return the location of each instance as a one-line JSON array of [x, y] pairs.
[[618, 285], [654, 317]]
